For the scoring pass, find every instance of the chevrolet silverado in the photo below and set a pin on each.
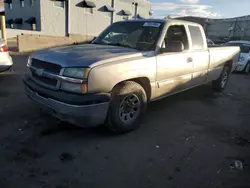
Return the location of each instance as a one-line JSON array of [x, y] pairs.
[[111, 80]]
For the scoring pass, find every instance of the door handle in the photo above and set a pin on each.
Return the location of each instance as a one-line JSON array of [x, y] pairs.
[[189, 60]]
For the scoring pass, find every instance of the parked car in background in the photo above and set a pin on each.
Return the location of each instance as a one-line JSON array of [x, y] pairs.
[[5, 59], [243, 64], [111, 81]]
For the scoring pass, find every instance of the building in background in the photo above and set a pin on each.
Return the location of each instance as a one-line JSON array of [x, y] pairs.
[[221, 30], [229, 29], [199, 20], [62, 17]]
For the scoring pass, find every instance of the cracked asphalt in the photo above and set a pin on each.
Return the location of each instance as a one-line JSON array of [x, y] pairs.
[[197, 139]]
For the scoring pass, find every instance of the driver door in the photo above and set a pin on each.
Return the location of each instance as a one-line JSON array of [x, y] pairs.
[[174, 69]]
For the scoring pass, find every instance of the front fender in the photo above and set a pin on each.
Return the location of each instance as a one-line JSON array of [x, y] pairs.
[[104, 77]]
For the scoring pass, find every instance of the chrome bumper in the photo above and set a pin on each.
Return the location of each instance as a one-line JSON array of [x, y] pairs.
[[80, 115]]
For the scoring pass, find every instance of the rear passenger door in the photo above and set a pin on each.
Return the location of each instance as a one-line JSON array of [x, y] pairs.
[[199, 54]]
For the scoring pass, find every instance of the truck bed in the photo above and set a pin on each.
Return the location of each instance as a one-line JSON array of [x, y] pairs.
[[221, 55]]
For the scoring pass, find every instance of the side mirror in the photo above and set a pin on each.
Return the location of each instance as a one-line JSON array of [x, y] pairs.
[[173, 46]]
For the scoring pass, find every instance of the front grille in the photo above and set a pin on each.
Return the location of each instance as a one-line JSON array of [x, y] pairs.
[[44, 80], [46, 66], [43, 66]]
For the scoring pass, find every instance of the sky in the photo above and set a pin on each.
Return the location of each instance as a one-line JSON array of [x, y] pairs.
[[202, 8]]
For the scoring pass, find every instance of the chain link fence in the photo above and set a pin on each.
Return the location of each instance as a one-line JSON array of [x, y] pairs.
[[228, 29]]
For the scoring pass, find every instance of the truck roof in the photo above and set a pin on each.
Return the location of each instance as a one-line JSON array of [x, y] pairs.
[[163, 21]]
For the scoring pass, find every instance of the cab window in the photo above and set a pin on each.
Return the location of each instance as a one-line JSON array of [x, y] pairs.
[[176, 33], [196, 36]]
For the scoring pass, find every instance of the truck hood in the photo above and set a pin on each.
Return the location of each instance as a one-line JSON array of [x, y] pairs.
[[85, 55]]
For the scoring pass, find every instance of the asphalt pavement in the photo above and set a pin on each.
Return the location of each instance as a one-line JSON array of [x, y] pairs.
[[197, 139]]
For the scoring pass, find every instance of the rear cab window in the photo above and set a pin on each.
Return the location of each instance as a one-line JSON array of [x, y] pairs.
[[196, 37]]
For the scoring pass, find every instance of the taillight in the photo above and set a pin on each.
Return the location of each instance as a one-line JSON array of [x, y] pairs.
[[4, 48]]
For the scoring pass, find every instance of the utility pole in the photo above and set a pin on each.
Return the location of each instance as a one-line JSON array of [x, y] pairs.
[[3, 27], [136, 9], [113, 13], [67, 17], [235, 24]]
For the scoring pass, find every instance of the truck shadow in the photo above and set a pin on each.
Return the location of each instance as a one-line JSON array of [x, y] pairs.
[[201, 93]]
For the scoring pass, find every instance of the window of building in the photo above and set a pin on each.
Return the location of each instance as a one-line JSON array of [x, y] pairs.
[[88, 10], [22, 3], [59, 4], [32, 22], [9, 2], [10, 23], [33, 27], [18, 22], [197, 39], [32, 2]]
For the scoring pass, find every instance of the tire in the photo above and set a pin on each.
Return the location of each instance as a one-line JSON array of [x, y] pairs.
[[221, 83], [128, 103], [247, 68]]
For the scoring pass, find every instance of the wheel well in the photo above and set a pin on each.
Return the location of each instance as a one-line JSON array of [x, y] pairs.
[[229, 64], [143, 81]]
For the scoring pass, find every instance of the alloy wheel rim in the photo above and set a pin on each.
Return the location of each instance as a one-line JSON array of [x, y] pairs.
[[129, 108], [224, 79]]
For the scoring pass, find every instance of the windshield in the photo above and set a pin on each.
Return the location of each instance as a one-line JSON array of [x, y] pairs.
[[138, 35], [244, 48]]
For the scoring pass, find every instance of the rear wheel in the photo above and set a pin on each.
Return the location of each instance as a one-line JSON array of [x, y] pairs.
[[129, 102], [222, 81]]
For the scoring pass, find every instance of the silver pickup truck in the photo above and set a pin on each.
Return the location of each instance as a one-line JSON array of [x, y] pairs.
[[111, 80]]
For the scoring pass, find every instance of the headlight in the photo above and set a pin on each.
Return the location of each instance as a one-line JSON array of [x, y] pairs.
[[75, 88], [78, 73], [81, 73]]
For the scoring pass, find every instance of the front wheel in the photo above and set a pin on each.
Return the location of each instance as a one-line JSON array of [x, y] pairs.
[[128, 103], [222, 81]]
